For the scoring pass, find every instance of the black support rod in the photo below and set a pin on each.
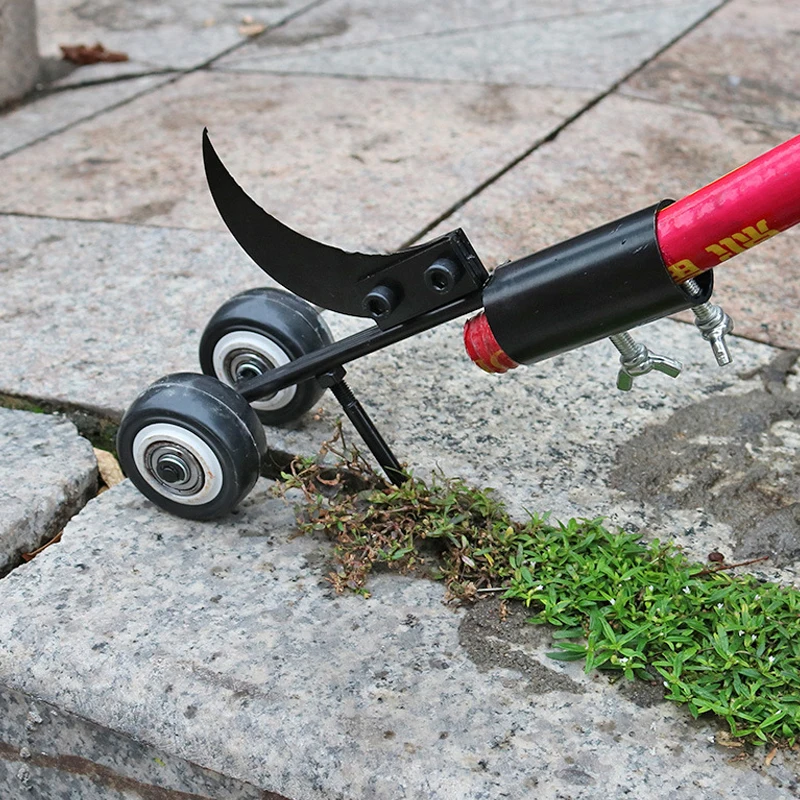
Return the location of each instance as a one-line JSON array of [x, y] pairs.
[[334, 380]]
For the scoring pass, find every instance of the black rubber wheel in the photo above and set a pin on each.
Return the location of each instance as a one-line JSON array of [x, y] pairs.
[[259, 330], [191, 445]]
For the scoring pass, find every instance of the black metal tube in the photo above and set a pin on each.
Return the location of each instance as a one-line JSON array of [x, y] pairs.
[[601, 283]]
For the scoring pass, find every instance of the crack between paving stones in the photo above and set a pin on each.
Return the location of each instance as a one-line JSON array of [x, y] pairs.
[[177, 75], [713, 114], [100, 427], [90, 117], [554, 134], [412, 79], [51, 533], [97, 425], [412, 37], [109, 221], [238, 45], [47, 91]]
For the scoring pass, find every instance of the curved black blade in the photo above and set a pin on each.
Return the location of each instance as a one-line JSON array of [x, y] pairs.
[[322, 274]]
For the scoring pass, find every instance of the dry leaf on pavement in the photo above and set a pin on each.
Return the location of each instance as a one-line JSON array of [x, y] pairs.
[[82, 54], [252, 28], [108, 467]]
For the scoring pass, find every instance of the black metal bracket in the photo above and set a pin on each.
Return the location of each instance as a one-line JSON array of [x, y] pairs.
[[390, 288]]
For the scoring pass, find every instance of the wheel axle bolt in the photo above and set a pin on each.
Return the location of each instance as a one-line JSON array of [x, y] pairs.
[[172, 470], [247, 371]]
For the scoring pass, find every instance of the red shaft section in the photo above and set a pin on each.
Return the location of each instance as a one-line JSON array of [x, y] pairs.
[[483, 348], [705, 229], [733, 214]]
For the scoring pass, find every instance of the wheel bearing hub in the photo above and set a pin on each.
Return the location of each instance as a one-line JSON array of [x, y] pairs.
[[242, 365], [175, 468]]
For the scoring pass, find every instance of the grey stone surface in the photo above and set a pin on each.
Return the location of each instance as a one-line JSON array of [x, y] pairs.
[[19, 53], [375, 162], [153, 649], [580, 46], [222, 645], [133, 306], [109, 308], [626, 154], [134, 303], [742, 63], [47, 754], [154, 34], [341, 24], [47, 474], [50, 114]]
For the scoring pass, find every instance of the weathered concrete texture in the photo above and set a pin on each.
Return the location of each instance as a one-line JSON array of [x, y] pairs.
[[47, 754], [743, 62], [627, 154], [91, 313], [338, 24], [583, 46], [19, 53], [736, 457], [154, 34], [366, 173], [52, 113], [132, 306], [222, 645], [47, 474]]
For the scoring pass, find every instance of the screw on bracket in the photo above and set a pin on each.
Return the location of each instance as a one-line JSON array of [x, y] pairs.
[[713, 323], [636, 360]]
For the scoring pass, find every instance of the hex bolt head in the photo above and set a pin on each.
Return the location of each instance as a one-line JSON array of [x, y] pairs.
[[380, 301], [442, 276]]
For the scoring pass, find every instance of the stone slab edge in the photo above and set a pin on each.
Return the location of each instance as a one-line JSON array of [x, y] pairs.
[[48, 753], [39, 512]]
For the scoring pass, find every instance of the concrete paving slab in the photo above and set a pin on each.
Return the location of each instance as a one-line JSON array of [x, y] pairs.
[[627, 154], [222, 645], [585, 46], [741, 62], [376, 161], [153, 34], [342, 24], [111, 306], [134, 303], [49, 114], [47, 474], [48, 754]]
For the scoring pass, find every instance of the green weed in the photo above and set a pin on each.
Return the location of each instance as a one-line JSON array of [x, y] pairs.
[[722, 644]]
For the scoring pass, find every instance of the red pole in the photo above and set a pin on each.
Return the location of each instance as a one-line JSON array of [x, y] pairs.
[[733, 214], [701, 231]]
